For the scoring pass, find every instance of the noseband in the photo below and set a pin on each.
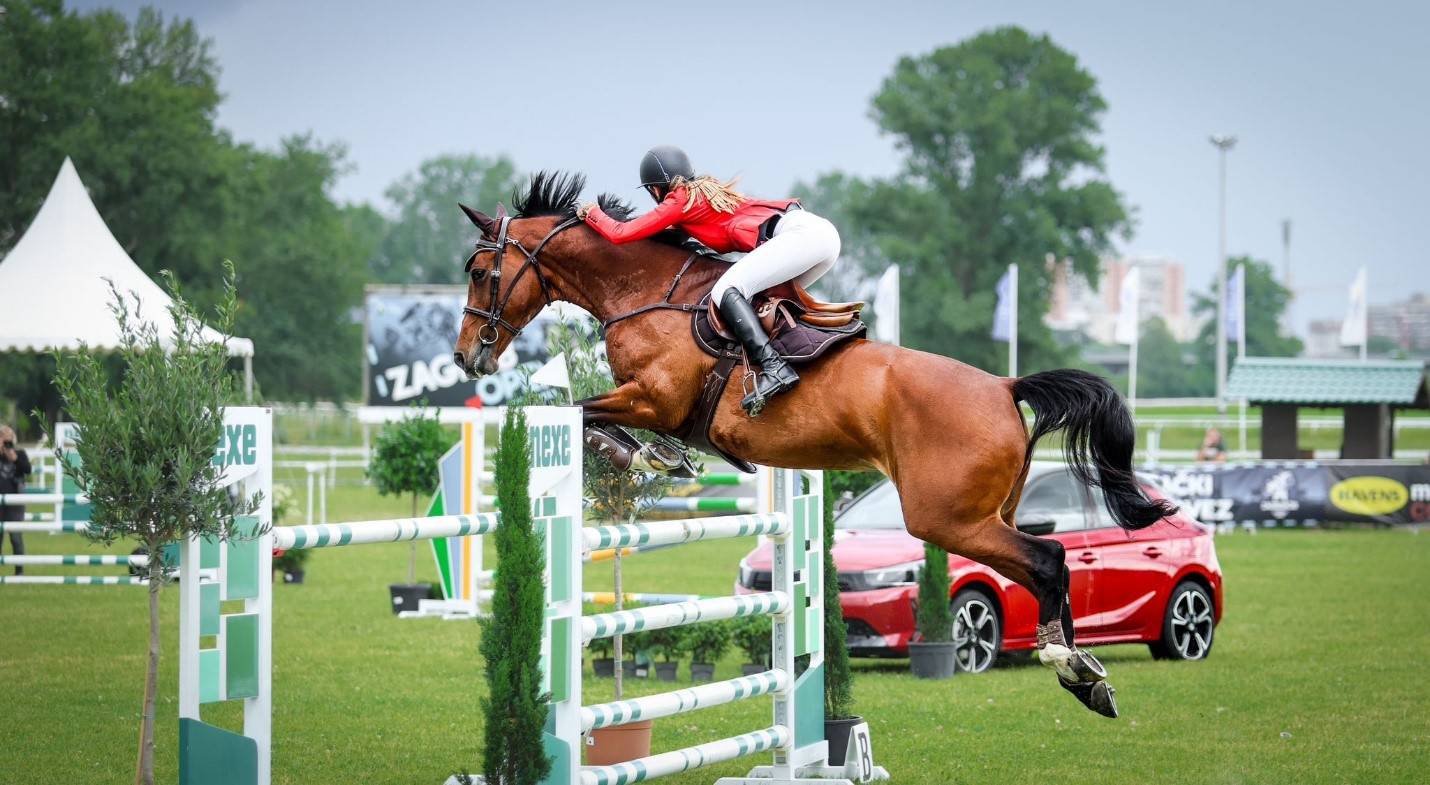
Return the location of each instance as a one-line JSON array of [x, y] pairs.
[[489, 332]]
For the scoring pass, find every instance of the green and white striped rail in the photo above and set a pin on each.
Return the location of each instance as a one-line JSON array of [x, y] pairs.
[[676, 532], [332, 535], [137, 560], [705, 504], [74, 580], [659, 617], [667, 763], [668, 704]]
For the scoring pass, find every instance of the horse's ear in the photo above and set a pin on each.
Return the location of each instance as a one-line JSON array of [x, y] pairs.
[[501, 211], [481, 220]]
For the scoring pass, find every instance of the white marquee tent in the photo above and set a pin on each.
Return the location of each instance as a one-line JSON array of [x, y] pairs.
[[53, 282]]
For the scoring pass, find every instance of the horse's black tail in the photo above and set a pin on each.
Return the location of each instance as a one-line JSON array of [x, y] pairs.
[[1098, 432]]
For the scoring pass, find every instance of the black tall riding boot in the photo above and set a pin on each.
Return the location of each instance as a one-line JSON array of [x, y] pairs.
[[776, 375]]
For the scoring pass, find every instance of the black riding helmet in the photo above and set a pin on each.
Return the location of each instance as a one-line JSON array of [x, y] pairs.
[[664, 163]]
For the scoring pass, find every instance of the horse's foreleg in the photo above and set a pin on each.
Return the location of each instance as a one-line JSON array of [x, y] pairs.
[[627, 405], [607, 416]]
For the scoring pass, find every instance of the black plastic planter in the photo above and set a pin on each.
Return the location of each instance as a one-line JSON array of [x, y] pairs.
[[405, 596], [752, 668], [702, 671], [604, 668], [296, 576], [665, 671], [836, 732], [933, 660]]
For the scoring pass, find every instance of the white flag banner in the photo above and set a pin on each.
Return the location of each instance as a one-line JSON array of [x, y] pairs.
[[1353, 329], [1003, 311], [1236, 306], [886, 306], [553, 373], [1127, 317]]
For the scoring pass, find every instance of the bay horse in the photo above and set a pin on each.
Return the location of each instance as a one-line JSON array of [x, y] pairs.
[[949, 436]]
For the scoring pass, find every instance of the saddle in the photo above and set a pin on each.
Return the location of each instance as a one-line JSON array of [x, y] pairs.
[[801, 328]]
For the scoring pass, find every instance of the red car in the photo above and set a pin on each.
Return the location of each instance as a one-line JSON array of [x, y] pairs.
[[1161, 586]]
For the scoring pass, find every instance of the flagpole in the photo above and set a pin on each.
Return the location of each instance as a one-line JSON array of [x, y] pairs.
[[1365, 315], [1241, 342], [1013, 321]]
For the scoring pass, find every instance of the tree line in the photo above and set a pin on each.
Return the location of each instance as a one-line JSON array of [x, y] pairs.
[[999, 136]]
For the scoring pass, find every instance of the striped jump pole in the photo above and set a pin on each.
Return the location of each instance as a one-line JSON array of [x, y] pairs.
[[74, 580], [705, 504], [45, 527], [333, 535], [36, 499], [137, 560]]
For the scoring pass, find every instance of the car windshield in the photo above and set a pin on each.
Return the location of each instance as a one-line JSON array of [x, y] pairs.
[[877, 509]]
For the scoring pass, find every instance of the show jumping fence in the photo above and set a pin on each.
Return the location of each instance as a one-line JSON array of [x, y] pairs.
[[226, 650]]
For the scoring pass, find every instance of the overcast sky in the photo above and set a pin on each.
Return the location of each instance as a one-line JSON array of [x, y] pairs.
[[1328, 101]]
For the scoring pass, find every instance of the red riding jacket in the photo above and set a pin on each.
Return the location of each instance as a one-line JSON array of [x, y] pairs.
[[722, 232]]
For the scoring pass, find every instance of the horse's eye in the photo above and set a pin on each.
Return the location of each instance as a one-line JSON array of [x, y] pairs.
[[478, 274]]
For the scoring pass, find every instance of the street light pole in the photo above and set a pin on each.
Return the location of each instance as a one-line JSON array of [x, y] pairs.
[[1223, 143]]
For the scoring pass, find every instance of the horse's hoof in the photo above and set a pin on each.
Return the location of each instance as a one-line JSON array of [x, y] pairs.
[[1098, 696], [1086, 667]]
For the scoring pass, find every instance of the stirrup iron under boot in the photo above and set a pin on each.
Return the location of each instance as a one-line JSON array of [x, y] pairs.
[[775, 374]]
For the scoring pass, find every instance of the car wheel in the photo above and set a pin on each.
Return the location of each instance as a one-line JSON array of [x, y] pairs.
[[1189, 625], [977, 635]]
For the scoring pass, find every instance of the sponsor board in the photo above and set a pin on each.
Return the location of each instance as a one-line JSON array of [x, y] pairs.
[[1300, 493]]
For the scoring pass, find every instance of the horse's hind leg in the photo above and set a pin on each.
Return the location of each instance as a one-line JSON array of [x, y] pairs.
[[1039, 566]]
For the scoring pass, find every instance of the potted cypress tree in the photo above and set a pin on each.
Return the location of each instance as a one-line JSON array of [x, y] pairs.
[[751, 635], [839, 716], [707, 643], [146, 447], [405, 461], [932, 656], [515, 708]]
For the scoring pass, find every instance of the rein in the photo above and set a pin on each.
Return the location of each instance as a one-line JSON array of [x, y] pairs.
[[489, 332]]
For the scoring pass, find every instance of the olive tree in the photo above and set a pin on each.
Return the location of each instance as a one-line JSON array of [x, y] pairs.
[[146, 444]]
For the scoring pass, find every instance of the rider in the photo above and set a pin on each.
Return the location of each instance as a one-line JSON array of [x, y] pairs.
[[783, 242]]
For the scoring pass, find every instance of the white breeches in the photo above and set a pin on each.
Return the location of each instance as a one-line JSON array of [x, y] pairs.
[[803, 248]]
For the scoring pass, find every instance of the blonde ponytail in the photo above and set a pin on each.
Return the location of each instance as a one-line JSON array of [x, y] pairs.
[[721, 196]]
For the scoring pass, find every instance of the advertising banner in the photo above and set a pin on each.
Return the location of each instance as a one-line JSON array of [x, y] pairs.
[[410, 334], [1300, 493]]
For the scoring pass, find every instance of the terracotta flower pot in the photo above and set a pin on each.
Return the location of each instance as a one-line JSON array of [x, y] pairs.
[[618, 744]]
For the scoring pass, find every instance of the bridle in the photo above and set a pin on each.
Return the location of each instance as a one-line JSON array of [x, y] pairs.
[[488, 333]]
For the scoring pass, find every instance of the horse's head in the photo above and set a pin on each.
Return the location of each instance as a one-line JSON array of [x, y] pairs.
[[508, 282], [506, 288]]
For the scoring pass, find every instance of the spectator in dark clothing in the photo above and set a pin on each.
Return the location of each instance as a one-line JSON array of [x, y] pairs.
[[14, 468]]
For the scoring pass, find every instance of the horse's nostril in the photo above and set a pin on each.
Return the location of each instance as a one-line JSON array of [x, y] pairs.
[[459, 360]]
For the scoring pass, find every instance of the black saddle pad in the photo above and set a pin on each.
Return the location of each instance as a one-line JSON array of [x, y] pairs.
[[799, 343]]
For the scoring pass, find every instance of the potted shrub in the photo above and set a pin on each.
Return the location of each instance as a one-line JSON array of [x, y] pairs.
[[839, 716], [404, 461], [602, 663], [932, 656], [751, 635], [616, 496], [706, 642], [666, 644]]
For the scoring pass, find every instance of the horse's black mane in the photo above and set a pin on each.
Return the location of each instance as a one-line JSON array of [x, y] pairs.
[[557, 193]]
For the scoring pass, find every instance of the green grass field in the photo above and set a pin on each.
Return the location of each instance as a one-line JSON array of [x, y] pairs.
[[1315, 678]]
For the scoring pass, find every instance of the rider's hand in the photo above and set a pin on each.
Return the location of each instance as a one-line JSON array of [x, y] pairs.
[[584, 210]]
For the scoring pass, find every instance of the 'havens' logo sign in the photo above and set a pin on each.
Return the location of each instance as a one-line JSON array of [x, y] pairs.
[[1369, 495]]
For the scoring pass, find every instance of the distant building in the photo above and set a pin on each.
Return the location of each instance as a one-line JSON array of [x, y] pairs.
[[1407, 323], [1323, 340], [1075, 306]]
